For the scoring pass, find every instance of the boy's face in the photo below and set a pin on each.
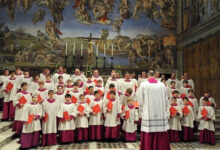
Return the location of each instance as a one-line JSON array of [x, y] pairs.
[[82, 98], [185, 84], [131, 102], [35, 99], [205, 102], [41, 86], [6, 72], [79, 82], [50, 95], [75, 88], [191, 94], [173, 85], [97, 96], [185, 101], [206, 94], [89, 78], [25, 88], [91, 90], [175, 94], [37, 78], [67, 99], [127, 76], [60, 79], [99, 83], [69, 83], [60, 89], [112, 96], [26, 73], [173, 101], [12, 74], [48, 78]]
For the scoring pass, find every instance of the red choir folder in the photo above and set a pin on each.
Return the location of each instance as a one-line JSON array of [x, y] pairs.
[[30, 118], [123, 107], [74, 99], [45, 117], [80, 108], [183, 95], [209, 103], [204, 112], [87, 90], [173, 111], [127, 114], [22, 100], [100, 92], [67, 91], [96, 108], [136, 104], [39, 98], [88, 100], [135, 87], [186, 110], [109, 105], [108, 95], [190, 103], [95, 81], [66, 115], [9, 86]]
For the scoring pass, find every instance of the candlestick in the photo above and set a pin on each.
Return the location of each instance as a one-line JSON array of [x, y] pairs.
[[81, 49], [104, 63], [112, 62], [81, 64], [74, 48], [66, 49], [96, 62], [104, 50], [97, 50], [112, 50]]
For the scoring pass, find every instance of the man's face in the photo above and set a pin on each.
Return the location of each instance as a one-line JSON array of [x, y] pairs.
[[77, 71], [60, 69], [25, 88], [96, 73], [144, 74], [48, 78], [157, 75], [6, 72], [173, 75], [26, 73], [127, 76]]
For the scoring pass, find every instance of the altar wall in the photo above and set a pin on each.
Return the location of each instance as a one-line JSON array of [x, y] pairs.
[[142, 34]]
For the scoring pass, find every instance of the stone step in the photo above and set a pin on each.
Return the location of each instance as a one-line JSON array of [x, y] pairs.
[[6, 137], [12, 145], [5, 125]]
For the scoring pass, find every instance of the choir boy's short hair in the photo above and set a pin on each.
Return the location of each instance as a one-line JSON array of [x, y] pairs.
[[48, 75], [173, 98], [59, 86], [60, 77], [89, 76], [163, 80], [90, 87], [96, 92], [130, 99], [81, 95], [50, 92], [186, 98], [26, 70], [69, 80], [205, 99], [12, 71], [176, 92], [190, 90], [129, 91], [67, 96], [185, 81], [35, 95], [99, 80], [112, 92], [23, 84], [111, 86], [172, 82], [41, 82], [207, 91], [75, 84]]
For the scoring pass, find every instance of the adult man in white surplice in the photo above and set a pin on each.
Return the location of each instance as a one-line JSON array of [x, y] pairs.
[[153, 100]]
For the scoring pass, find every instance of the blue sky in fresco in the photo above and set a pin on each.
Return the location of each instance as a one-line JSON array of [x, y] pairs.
[[70, 27]]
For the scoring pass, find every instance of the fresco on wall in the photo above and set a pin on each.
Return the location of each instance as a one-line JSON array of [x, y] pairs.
[[136, 33]]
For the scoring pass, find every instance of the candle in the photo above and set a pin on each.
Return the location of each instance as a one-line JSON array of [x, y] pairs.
[[74, 48], [66, 48], [81, 49], [104, 50], [97, 50], [112, 50]]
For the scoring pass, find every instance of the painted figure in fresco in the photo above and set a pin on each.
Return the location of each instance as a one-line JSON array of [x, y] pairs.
[[138, 8], [52, 31], [124, 9], [136, 44], [104, 34], [11, 9], [117, 25], [38, 16], [169, 56]]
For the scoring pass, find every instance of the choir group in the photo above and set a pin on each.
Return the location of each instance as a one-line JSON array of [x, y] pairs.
[[78, 108]]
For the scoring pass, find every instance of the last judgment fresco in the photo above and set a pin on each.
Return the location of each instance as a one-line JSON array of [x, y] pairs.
[[134, 33]]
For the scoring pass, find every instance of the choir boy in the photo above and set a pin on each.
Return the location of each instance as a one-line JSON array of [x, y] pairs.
[[98, 87], [60, 82], [57, 75], [172, 88], [96, 117], [75, 93], [69, 86], [126, 83], [3, 78], [113, 80], [67, 114], [89, 95], [185, 88], [173, 78], [190, 81], [142, 78], [206, 117], [9, 89], [26, 78], [44, 74], [60, 95], [80, 85], [112, 111], [96, 77], [18, 73], [178, 99], [81, 122], [128, 94], [194, 103], [89, 82], [41, 92], [20, 102], [130, 116], [35, 84], [174, 121], [49, 121], [187, 121], [49, 85], [211, 99], [30, 136]]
